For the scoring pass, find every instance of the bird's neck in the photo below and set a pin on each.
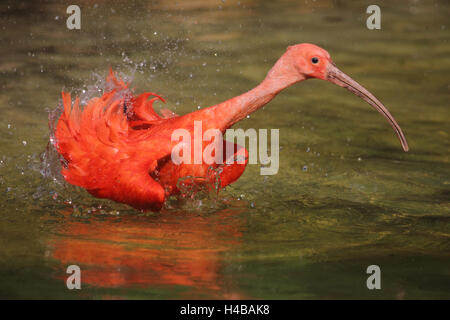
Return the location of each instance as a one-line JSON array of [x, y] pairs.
[[281, 76]]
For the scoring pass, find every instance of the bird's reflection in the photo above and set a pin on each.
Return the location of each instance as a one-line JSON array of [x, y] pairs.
[[169, 249]]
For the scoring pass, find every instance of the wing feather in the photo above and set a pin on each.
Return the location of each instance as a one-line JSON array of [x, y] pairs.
[[99, 141]]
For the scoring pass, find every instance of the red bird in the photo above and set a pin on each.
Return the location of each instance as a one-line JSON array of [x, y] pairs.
[[118, 147]]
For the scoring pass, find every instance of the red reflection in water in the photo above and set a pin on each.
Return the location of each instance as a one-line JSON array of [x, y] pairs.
[[169, 249]]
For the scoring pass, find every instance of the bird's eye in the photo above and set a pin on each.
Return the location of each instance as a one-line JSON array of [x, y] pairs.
[[315, 60]]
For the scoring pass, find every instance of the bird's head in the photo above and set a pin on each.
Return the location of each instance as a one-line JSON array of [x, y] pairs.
[[310, 61]]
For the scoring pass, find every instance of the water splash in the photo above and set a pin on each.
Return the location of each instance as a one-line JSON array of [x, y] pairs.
[[198, 193], [204, 194]]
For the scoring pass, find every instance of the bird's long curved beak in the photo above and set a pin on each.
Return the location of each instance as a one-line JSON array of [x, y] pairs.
[[336, 76]]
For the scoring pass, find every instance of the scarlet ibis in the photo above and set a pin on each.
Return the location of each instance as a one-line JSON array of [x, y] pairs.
[[118, 147]]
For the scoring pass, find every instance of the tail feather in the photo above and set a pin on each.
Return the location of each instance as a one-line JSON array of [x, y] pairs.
[[94, 139]]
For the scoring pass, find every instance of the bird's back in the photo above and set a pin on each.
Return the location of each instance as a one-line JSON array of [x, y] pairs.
[[100, 142]]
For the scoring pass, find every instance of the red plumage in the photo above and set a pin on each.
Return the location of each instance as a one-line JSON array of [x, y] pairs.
[[116, 146]]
